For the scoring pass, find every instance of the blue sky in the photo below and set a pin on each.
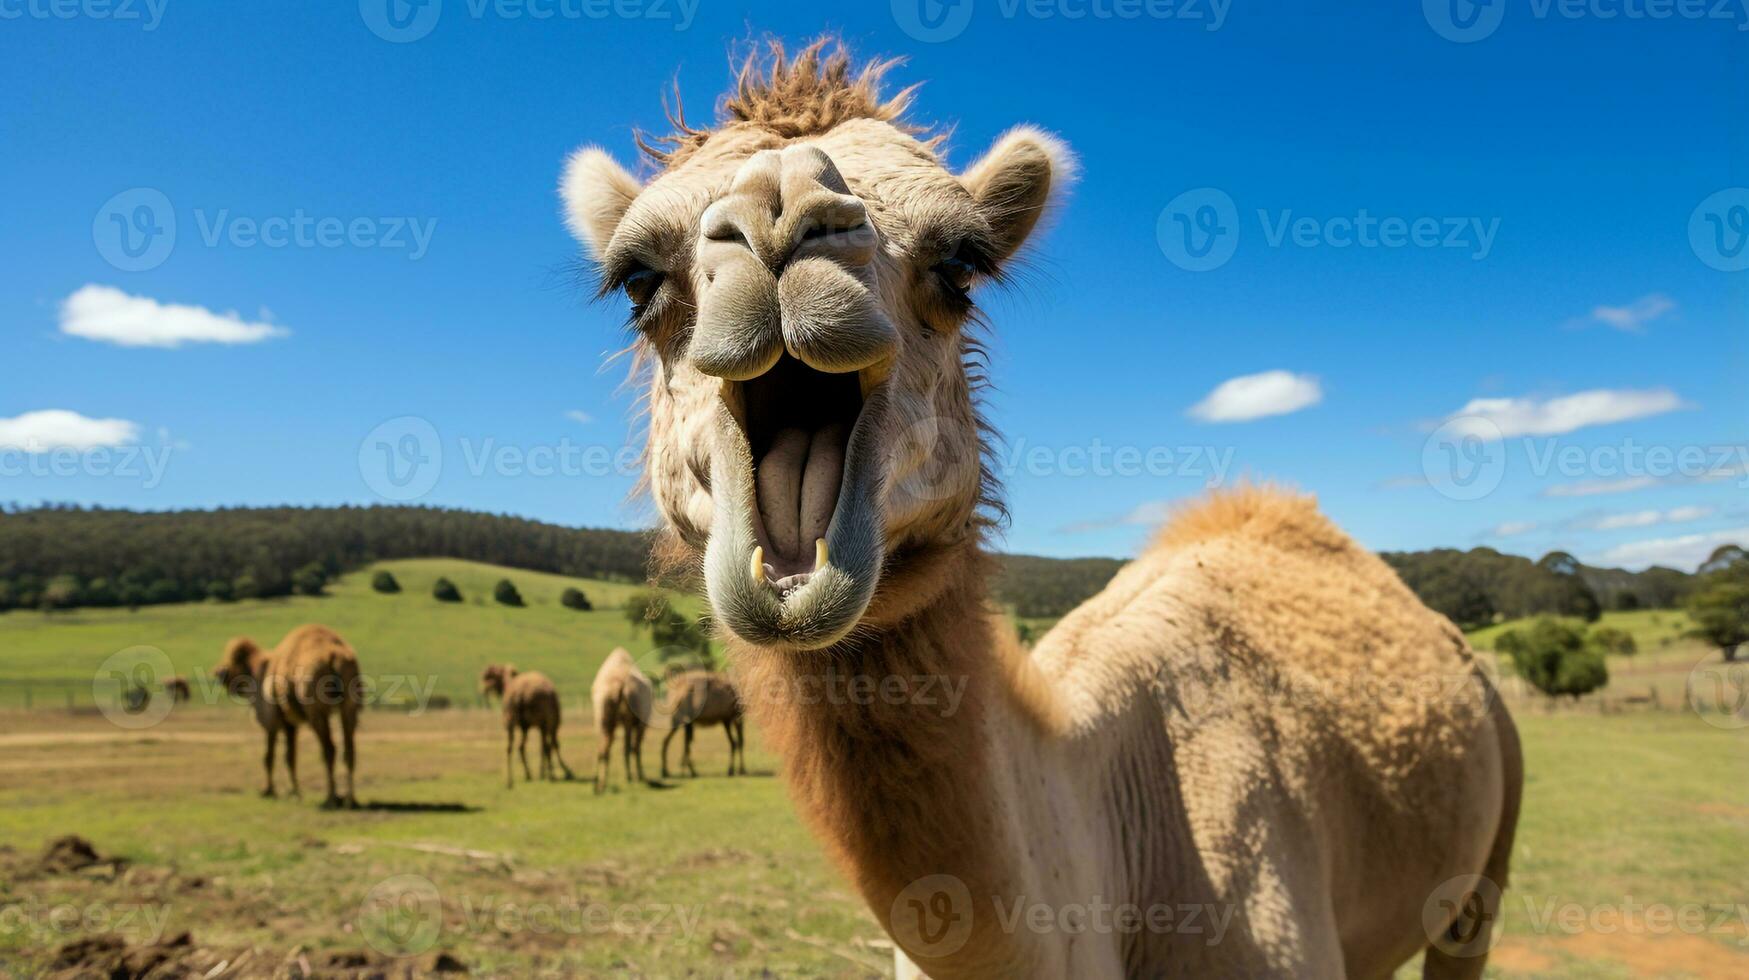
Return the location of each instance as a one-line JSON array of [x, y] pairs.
[[367, 253]]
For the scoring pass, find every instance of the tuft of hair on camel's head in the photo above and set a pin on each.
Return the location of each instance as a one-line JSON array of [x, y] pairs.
[[495, 677], [803, 280], [239, 667]]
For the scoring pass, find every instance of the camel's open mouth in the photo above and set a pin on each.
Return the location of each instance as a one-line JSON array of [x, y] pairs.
[[795, 544]]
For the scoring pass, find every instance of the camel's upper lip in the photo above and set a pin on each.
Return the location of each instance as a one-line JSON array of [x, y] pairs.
[[796, 537]]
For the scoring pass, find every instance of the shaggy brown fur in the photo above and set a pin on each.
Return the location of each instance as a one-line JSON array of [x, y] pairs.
[[700, 697], [310, 676], [178, 690], [622, 698], [530, 701]]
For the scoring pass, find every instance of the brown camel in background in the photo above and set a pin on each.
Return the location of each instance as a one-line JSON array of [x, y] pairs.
[[310, 676], [530, 701], [700, 697], [623, 699], [178, 690]]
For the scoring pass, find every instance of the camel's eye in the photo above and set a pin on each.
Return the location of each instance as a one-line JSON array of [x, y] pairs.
[[956, 272], [641, 286]]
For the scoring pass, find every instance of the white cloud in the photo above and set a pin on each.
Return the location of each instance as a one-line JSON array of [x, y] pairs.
[[1594, 488], [1149, 514], [1512, 529], [106, 314], [57, 428], [579, 416], [1684, 552], [1642, 518], [1256, 396], [1503, 418], [1633, 317]]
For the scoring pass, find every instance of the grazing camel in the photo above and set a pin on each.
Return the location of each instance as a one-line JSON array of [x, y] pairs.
[[700, 697], [530, 701], [311, 676], [177, 689], [622, 698], [1256, 717]]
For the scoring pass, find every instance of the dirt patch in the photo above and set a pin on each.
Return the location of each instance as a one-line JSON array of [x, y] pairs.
[[1657, 957], [73, 854], [180, 958], [109, 956], [1722, 810], [1511, 957]]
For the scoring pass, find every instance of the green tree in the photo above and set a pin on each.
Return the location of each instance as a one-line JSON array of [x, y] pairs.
[[220, 590], [62, 592], [1720, 608], [443, 590], [1617, 641], [311, 579], [1555, 658], [384, 582], [506, 594], [573, 598], [671, 631]]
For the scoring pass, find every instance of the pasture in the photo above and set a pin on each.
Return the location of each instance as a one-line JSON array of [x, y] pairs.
[[1629, 862]]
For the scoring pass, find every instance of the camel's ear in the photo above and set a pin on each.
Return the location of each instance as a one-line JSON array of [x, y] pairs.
[[1022, 177], [596, 191]]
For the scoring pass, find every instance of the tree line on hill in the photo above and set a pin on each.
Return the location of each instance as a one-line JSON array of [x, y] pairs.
[[58, 557]]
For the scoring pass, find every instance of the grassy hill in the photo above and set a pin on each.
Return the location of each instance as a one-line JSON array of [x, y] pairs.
[[409, 636]]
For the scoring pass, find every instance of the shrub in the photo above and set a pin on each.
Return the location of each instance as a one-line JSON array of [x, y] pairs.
[[1555, 658], [443, 590], [310, 579], [573, 598], [1617, 641], [162, 591], [1720, 607], [385, 583], [219, 590], [506, 594]]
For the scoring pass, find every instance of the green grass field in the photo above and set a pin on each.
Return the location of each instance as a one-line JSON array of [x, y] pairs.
[[706, 877]]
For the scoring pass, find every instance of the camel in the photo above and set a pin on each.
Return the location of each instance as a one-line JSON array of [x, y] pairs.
[[530, 701], [311, 675], [178, 690], [700, 697], [1255, 718], [622, 699]]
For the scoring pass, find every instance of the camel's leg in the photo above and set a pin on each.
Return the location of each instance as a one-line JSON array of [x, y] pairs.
[[559, 759], [267, 761], [509, 756], [666, 739], [349, 725], [686, 753], [638, 752], [630, 747], [325, 735], [291, 760], [741, 742], [729, 730], [603, 758], [522, 750], [1470, 934]]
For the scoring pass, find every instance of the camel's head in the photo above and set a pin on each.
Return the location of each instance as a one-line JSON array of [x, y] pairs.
[[239, 669], [494, 678], [801, 279]]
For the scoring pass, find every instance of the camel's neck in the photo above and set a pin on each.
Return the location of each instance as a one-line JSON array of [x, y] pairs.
[[905, 751]]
